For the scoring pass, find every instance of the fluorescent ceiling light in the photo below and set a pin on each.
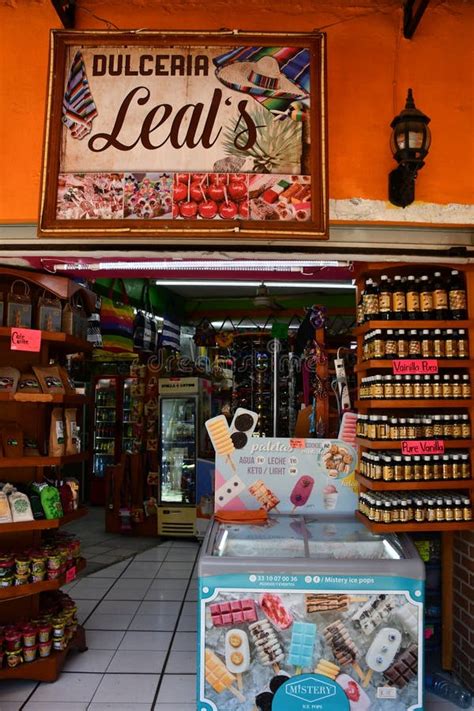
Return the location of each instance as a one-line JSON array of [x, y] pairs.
[[243, 284], [249, 324], [205, 265]]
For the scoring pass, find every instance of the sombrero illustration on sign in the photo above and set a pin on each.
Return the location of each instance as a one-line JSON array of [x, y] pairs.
[[277, 77]]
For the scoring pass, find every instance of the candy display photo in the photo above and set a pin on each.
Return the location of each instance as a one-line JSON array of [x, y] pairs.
[[209, 196], [253, 642], [147, 196], [280, 197], [83, 196]]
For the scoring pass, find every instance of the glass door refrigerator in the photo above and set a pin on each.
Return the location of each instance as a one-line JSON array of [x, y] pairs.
[[184, 405], [112, 428]]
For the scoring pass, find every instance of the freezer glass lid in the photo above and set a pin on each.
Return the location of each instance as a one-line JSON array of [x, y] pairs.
[[350, 541], [278, 538]]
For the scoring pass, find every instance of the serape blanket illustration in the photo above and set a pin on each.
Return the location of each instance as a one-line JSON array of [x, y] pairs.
[[79, 109], [276, 77]]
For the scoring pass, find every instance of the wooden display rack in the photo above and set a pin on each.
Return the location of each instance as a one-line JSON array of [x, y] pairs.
[[363, 368], [34, 412]]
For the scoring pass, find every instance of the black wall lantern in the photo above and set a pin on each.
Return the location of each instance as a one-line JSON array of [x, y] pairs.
[[410, 143]]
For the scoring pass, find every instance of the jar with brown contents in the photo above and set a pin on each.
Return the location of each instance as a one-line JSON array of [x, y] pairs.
[[402, 428], [377, 392], [387, 512], [383, 429], [399, 474], [448, 509], [462, 344], [467, 509], [388, 387], [466, 386], [378, 344], [465, 467], [456, 468], [414, 344], [403, 509], [427, 388], [458, 509], [447, 427], [447, 467], [408, 469], [449, 344], [447, 388], [417, 469], [437, 388], [408, 387], [438, 344], [417, 387], [430, 511], [419, 510], [457, 387], [390, 345], [427, 469], [388, 471], [437, 467], [398, 387], [402, 343], [428, 428], [440, 509], [394, 429], [426, 344], [457, 427], [426, 298], [411, 428]]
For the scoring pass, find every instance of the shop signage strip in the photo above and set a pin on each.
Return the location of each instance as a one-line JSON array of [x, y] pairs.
[[173, 135]]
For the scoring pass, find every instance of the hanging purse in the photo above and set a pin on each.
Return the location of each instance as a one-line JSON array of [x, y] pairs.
[[145, 328], [117, 321]]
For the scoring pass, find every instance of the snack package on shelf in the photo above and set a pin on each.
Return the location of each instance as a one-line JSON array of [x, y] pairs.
[[50, 500], [50, 379], [29, 383], [9, 378], [20, 507], [57, 444], [73, 442]]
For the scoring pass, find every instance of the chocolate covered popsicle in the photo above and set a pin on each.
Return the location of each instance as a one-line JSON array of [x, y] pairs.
[[342, 646], [267, 644], [326, 602], [373, 613], [265, 497]]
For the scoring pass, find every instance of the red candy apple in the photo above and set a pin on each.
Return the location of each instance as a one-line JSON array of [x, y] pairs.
[[244, 210], [197, 191], [237, 190], [216, 192], [175, 210], [182, 178], [228, 210], [188, 209], [208, 209], [180, 192], [216, 179]]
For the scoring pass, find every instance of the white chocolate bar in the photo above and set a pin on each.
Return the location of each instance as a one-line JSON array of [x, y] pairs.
[[372, 614], [383, 649], [233, 487], [237, 651]]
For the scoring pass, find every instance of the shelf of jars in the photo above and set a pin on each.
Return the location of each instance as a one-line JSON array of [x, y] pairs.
[[414, 527], [389, 364], [410, 404], [377, 485]]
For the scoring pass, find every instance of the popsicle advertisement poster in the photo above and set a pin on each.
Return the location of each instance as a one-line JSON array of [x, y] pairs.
[[280, 475]]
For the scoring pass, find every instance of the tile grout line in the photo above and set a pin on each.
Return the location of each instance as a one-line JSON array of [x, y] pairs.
[[160, 681]]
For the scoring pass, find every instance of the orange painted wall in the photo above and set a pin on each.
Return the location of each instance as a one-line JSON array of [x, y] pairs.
[[370, 67]]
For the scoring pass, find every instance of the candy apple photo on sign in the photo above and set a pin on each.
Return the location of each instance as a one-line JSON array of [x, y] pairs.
[[186, 138]]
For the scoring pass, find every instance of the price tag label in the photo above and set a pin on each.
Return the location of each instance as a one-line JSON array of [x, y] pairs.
[[415, 367], [297, 443], [71, 574], [386, 692], [423, 446], [25, 339]]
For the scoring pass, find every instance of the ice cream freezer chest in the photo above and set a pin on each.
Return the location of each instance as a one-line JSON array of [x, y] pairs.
[[309, 614]]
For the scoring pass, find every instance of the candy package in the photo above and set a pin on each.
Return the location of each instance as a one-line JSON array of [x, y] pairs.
[[73, 443], [29, 383], [12, 439], [57, 444], [9, 378], [50, 379], [51, 501], [49, 313], [20, 507], [19, 307], [69, 386]]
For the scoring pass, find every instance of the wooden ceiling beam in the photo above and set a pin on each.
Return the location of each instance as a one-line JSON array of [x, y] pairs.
[[413, 11], [66, 11]]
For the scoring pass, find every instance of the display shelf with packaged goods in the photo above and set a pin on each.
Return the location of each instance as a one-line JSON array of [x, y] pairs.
[[439, 334], [32, 415]]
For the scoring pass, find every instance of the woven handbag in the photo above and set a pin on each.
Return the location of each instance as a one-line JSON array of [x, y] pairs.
[[116, 321]]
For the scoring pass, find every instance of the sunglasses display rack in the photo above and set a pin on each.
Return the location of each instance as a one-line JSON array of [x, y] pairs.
[[263, 382]]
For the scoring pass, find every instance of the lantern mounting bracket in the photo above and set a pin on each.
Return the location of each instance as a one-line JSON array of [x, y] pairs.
[[66, 11], [413, 11]]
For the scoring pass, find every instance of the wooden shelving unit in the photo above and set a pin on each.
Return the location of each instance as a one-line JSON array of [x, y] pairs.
[[33, 412], [36, 588], [443, 527], [380, 485], [412, 404], [368, 367], [396, 444]]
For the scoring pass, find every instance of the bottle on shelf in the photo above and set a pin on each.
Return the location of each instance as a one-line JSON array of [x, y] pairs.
[[457, 296], [440, 297], [371, 300], [412, 299], [398, 299], [385, 298], [426, 298], [447, 689]]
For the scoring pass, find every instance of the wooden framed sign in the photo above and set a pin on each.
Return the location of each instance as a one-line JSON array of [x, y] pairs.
[[186, 136]]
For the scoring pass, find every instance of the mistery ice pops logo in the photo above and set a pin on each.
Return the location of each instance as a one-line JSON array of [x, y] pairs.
[[310, 692]]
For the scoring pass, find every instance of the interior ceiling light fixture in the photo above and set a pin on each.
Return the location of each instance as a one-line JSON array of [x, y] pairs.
[[205, 265], [246, 284]]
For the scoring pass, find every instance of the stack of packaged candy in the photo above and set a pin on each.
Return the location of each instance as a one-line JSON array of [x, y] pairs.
[[27, 640], [48, 562]]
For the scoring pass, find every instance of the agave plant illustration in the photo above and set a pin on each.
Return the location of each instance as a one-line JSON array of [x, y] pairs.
[[278, 143]]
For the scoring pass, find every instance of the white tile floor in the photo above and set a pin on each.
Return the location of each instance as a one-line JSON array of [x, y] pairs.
[[141, 632]]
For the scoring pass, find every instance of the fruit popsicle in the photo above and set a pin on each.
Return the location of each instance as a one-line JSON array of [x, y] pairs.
[[347, 430], [265, 497], [219, 433], [358, 699], [233, 613], [274, 609], [301, 491], [326, 668], [218, 676], [303, 637], [266, 642], [237, 653]]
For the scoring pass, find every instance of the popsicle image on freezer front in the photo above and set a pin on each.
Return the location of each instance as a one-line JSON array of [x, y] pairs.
[[219, 677], [265, 496], [382, 651], [267, 644], [219, 434], [301, 491], [303, 637], [237, 654]]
